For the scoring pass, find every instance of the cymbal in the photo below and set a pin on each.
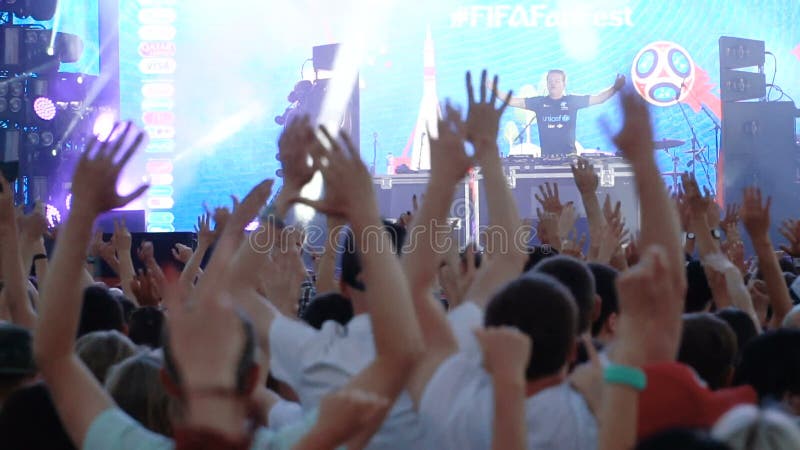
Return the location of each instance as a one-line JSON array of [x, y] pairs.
[[667, 143], [671, 174]]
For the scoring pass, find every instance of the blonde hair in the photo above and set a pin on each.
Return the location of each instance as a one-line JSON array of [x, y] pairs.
[[135, 384], [100, 350]]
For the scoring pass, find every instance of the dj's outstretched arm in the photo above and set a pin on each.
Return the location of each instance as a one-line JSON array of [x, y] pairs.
[[606, 94]]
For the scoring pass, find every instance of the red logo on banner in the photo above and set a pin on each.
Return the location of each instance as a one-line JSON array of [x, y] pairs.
[[156, 49]]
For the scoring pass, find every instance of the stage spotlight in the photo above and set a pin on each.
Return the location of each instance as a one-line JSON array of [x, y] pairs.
[[44, 108], [52, 214], [40, 10], [26, 48], [47, 139]]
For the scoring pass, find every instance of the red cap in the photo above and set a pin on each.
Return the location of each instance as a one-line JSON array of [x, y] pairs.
[[675, 397]]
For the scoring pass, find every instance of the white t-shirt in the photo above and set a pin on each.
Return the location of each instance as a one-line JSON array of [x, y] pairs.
[[458, 403], [317, 362]]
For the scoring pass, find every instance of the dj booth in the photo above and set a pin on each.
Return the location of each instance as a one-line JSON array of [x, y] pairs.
[[469, 206]]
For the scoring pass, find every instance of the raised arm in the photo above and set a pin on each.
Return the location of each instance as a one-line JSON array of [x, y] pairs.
[[507, 254], [659, 220], [205, 238], [429, 242], [755, 216], [14, 290], [326, 269], [398, 341], [506, 352], [609, 92], [77, 396]]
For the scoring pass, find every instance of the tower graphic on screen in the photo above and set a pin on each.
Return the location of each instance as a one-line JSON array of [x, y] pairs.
[[429, 110]]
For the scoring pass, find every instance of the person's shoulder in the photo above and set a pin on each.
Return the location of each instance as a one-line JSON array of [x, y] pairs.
[[114, 429]]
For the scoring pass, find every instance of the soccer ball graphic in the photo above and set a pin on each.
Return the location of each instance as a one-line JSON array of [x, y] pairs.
[[663, 71]]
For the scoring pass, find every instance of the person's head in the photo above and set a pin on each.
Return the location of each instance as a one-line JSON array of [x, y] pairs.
[[698, 292], [329, 306], [575, 275], [146, 326], [536, 254], [748, 427], [352, 282], [28, 420], [681, 438], [742, 325], [605, 279], [100, 350], [556, 83], [708, 345], [541, 307], [135, 385], [16, 358], [792, 320], [100, 311], [127, 304], [771, 365]]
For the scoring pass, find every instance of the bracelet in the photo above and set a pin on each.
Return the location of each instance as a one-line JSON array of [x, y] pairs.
[[269, 214], [625, 375], [39, 256]]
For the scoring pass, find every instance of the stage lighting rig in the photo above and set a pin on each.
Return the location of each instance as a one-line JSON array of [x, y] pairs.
[[27, 49]]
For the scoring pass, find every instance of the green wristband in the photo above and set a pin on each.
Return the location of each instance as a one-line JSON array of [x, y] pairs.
[[625, 375]]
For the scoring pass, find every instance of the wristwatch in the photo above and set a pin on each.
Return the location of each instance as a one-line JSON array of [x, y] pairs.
[[690, 236], [715, 233]]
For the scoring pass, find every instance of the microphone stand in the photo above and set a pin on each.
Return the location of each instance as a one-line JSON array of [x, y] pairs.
[[695, 148], [374, 152], [528, 125]]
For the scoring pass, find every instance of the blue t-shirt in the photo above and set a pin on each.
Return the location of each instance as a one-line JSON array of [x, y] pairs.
[[556, 121]]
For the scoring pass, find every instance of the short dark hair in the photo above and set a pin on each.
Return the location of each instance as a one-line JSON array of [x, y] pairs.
[[100, 311], [537, 253], [541, 307], [325, 307], [560, 72], [146, 326], [771, 364], [708, 345], [575, 275], [605, 279], [742, 325], [246, 362], [351, 262], [29, 419], [698, 292]]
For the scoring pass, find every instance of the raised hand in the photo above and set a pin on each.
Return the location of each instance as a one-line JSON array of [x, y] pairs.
[[547, 229], [573, 245], [296, 144], [33, 226], [146, 251], [205, 235], [95, 179], [566, 220], [613, 237], [698, 203], [483, 118], [122, 239], [649, 325], [449, 160], [755, 213], [619, 82], [348, 184], [610, 214], [8, 215], [585, 177], [635, 140], [549, 199], [790, 229], [182, 253], [506, 351]]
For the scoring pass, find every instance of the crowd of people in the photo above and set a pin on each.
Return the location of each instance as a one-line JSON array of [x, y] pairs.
[[669, 338]]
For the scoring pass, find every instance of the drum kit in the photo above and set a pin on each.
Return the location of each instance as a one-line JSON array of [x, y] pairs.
[[670, 147]]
